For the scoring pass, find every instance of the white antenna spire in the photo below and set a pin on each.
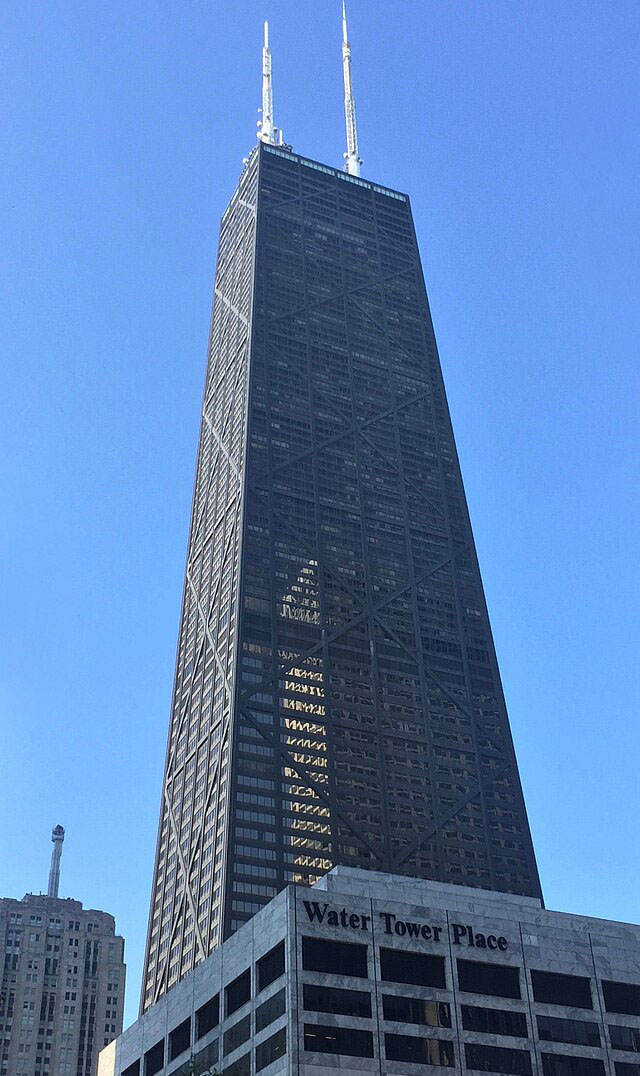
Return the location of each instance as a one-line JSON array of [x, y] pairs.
[[267, 130], [351, 157]]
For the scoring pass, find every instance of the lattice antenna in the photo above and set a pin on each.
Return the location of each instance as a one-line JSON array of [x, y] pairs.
[[57, 836], [351, 157], [267, 130]]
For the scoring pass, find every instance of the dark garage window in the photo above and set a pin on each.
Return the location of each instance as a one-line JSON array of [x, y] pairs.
[[551, 988], [335, 1000], [418, 1051], [497, 1059], [270, 967], [154, 1059], [420, 969], [622, 997], [336, 958], [494, 1021], [497, 980], [180, 1039], [207, 1016], [237, 993], [349, 1041], [569, 1065]]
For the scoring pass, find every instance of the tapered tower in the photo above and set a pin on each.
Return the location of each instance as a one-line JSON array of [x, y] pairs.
[[337, 696]]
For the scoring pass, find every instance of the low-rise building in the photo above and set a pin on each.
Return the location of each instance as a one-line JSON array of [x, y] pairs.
[[373, 973]]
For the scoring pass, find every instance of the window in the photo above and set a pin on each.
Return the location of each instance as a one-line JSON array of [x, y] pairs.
[[421, 969], [180, 1039], [241, 1067], [237, 1035], [497, 980], [154, 1059], [270, 967], [338, 958], [237, 993], [555, 989], [494, 1021], [497, 1059], [271, 1049], [270, 1010], [627, 1068], [570, 1065], [132, 1070], [559, 1029], [207, 1017], [624, 1038], [349, 1041], [622, 997], [334, 1000], [200, 1062], [416, 1011], [418, 1051]]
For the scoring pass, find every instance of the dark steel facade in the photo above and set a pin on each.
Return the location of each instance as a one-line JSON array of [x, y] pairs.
[[337, 697]]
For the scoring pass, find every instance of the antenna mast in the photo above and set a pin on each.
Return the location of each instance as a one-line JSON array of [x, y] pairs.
[[267, 129], [351, 157], [57, 836]]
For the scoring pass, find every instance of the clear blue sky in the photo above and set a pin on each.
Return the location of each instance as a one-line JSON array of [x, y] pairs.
[[513, 125]]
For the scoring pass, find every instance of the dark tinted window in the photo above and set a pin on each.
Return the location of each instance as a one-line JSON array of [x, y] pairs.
[[421, 969], [416, 1011], [271, 1049], [207, 1016], [241, 1067], [569, 1065], [236, 1035], [627, 1068], [201, 1061], [180, 1039], [497, 1059], [270, 1010], [558, 1029], [237, 993], [350, 1041], [132, 1070], [418, 1051], [494, 1021], [622, 997], [334, 1000], [622, 1038], [271, 966], [337, 958], [154, 1059], [498, 980], [554, 989]]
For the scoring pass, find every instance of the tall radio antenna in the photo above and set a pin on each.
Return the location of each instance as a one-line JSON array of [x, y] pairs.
[[351, 157], [267, 130]]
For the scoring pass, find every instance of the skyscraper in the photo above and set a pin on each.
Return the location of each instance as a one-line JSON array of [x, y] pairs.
[[337, 696], [63, 979]]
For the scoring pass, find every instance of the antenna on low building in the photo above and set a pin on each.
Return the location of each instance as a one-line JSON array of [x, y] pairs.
[[352, 158], [57, 836]]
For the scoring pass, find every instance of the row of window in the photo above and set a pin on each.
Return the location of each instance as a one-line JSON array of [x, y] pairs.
[[431, 1013], [236, 994], [355, 1042], [475, 977]]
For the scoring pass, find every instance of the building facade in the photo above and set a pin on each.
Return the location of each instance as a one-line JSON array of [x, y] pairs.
[[337, 696], [63, 984], [367, 973]]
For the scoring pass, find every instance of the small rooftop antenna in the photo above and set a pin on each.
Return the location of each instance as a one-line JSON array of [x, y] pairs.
[[351, 157], [267, 130], [57, 836]]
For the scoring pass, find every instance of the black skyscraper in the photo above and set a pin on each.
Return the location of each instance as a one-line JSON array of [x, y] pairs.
[[337, 697]]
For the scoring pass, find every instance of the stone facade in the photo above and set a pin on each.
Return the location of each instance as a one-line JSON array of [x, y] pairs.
[[373, 973], [63, 984]]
